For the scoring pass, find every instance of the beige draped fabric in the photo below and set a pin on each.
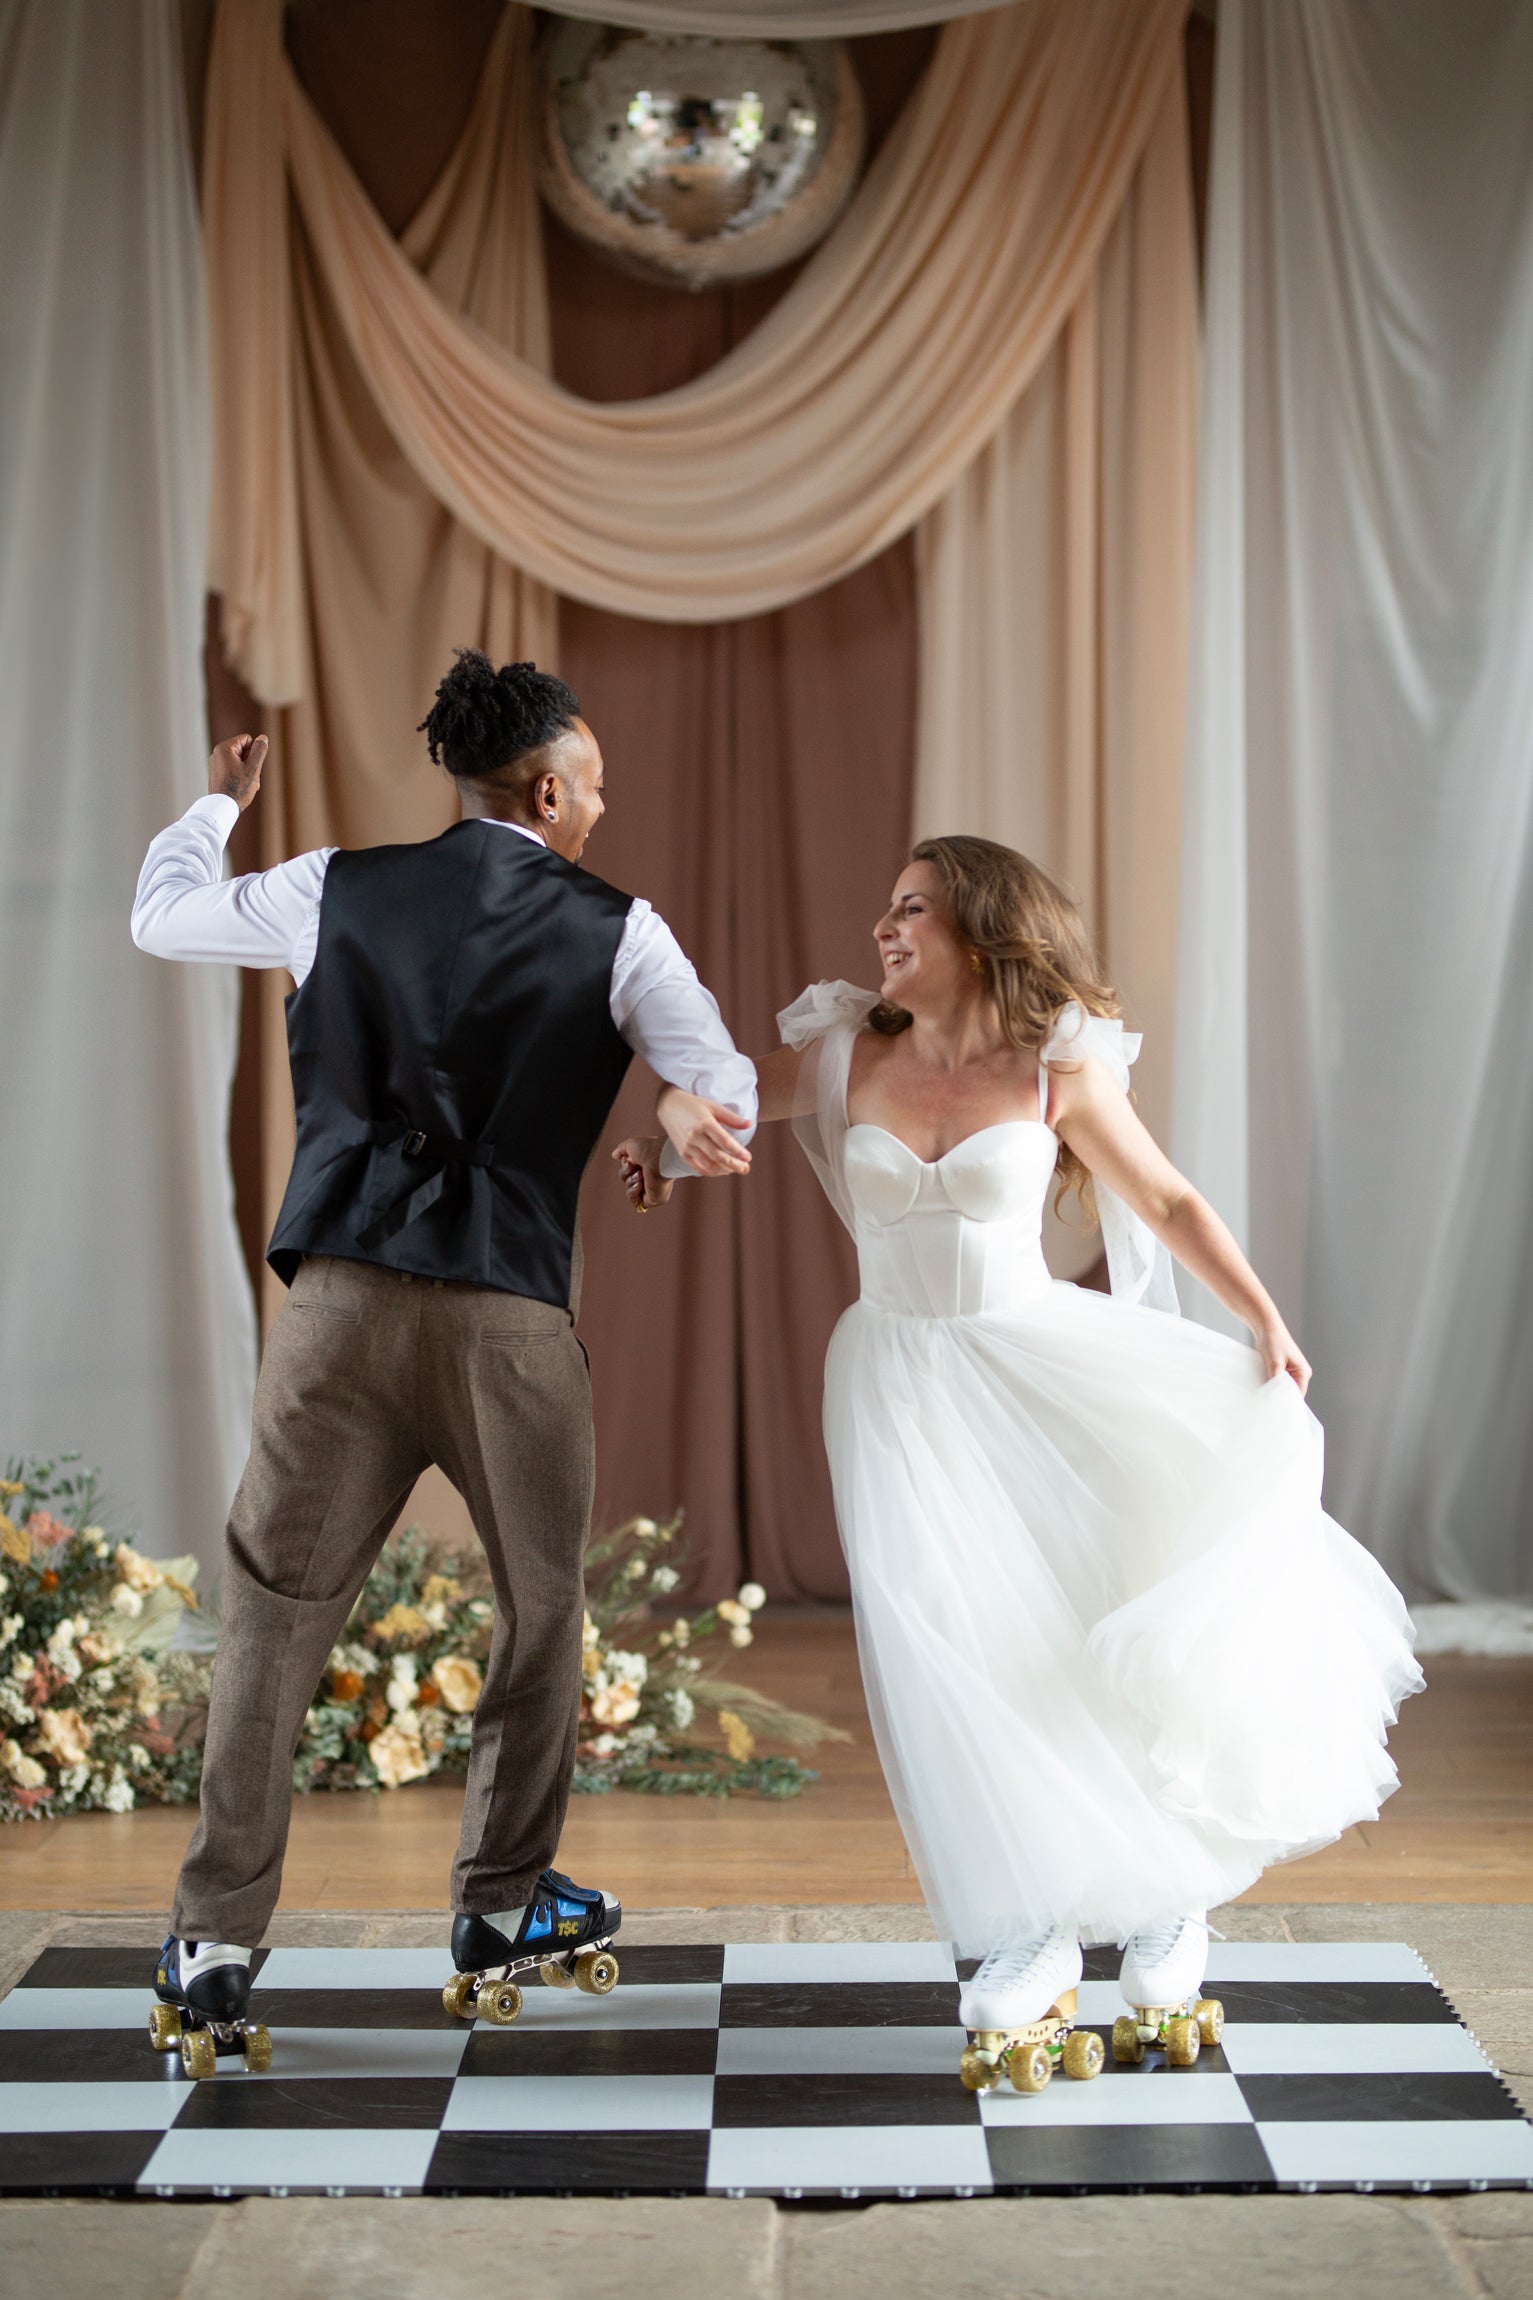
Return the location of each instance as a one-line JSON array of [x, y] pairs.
[[1054, 587], [844, 417]]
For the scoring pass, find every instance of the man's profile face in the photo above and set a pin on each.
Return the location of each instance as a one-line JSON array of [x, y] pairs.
[[578, 804]]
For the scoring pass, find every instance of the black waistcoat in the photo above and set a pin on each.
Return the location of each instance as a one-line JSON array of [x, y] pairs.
[[454, 1059]]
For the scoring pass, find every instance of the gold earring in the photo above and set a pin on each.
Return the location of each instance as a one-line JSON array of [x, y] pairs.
[[976, 962]]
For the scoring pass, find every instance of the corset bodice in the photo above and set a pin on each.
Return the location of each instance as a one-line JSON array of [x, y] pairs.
[[955, 1236]]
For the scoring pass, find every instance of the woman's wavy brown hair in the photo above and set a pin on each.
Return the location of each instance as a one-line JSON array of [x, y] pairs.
[[1037, 956]]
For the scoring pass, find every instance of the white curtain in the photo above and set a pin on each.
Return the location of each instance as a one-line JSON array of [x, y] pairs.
[[1355, 1053], [126, 1325], [789, 20]]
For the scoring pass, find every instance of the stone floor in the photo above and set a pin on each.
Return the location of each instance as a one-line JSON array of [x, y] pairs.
[[1092, 2248]]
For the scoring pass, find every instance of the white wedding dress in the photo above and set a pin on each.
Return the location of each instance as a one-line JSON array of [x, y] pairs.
[[1118, 1659]]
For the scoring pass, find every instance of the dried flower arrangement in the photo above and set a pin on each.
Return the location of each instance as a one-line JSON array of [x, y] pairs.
[[97, 1712]]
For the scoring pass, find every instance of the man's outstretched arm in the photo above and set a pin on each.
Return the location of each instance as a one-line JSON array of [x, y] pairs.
[[670, 1020], [186, 908]]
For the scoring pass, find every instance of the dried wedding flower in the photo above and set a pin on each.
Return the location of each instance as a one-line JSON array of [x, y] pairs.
[[458, 1682], [65, 1735], [396, 1753]]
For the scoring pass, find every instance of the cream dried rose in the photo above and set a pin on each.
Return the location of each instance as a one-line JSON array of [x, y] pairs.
[[616, 1704], [458, 1681], [138, 1572], [397, 1754], [64, 1734], [25, 1771], [735, 1614]]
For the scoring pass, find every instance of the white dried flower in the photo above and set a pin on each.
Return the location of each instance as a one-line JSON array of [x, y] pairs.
[[752, 1596], [645, 1528], [400, 1692], [10, 1630], [126, 1600], [663, 1580], [604, 1744], [5, 1583], [631, 1666], [681, 1706], [616, 1704], [12, 1705], [681, 1630], [741, 1635], [118, 1795], [138, 1756], [728, 1610]]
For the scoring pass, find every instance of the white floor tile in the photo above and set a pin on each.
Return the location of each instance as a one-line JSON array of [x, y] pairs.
[[1346, 1962], [835, 2157], [397, 2052], [1494, 2150], [580, 2104], [1295, 2048], [111, 2107], [325, 2159], [1170, 2096], [1098, 2002], [841, 2051], [424, 1969], [806, 1964], [77, 2008]]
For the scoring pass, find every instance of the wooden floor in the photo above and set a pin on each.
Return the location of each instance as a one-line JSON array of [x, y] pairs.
[[1460, 1828]]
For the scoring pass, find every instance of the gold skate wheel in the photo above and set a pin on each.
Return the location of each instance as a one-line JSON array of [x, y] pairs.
[[554, 1975], [1029, 2067], [596, 1972], [1183, 2042], [458, 1996], [258, 2050], [976, 2073], [165, 2027], [1127, 2043], [500, 2003], [1208, 2012], [1084, 2054], [199, 2054]]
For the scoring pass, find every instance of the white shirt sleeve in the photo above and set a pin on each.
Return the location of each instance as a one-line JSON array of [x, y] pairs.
[[674, 1024], [186, 908]]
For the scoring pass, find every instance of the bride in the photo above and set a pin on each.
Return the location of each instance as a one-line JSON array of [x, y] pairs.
[[1117, 1657]]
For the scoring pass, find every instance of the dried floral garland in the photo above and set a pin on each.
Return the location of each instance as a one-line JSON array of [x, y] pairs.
[[97, 1712]]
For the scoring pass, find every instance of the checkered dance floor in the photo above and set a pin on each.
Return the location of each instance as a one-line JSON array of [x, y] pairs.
[[801, 2070]]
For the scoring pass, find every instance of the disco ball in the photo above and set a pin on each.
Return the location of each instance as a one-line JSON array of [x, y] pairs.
[[697, 161]]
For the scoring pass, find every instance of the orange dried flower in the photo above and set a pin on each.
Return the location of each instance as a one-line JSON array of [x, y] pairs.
[[371, 1729], [346, 1684], [48, 1580], [428, 1694]]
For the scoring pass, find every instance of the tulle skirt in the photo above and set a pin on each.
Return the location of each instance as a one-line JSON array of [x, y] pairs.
[[1118, 1659]]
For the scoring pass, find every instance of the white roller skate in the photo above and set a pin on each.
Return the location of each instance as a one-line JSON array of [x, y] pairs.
[[203, 1988], [1020, 2012], [1162, 1982], [564, 1933]]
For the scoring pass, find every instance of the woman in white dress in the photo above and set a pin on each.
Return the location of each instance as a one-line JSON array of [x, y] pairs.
[[1118, 1660]]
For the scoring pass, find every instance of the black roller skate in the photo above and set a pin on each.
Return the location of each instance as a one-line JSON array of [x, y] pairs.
[[565, 1931], [203, 1989]]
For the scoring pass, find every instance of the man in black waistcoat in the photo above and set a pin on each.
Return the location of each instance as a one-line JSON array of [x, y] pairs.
[[464, 1012]]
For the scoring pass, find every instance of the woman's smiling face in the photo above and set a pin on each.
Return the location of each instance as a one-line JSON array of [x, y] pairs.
[[924, 961]]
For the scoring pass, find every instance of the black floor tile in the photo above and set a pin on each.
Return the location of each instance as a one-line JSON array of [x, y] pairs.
[[1106, 2156], [1332, 2003], [74, 2163], [590, 2052], [601, 2162], [318, 2103], [103, 1968], [841, 2099], [840, 2004], [649, 1962], [1376, 2097]]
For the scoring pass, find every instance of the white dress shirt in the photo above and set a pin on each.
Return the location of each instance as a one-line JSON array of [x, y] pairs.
[[186, 908]]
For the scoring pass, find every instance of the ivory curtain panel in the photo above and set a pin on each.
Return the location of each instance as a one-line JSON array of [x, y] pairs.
[[842, 419], [1355, 1060], [126, 1323]]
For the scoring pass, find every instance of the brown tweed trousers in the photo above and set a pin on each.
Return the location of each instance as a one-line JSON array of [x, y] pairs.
[[368, 1376]]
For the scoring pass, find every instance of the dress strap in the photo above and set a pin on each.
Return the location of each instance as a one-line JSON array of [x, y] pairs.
[[1043, 1088]]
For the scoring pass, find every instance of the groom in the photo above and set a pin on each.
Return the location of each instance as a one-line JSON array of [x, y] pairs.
[[464, 1013]]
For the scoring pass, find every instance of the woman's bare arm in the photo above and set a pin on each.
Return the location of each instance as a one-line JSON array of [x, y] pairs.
[[1092, 1114]]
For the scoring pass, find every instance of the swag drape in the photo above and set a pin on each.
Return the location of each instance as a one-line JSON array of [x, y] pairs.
[[842, 419], [126, 1324], [789, 20], [1355, 1060]]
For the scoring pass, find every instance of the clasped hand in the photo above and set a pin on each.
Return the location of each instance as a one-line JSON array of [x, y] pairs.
[[702, 1133]]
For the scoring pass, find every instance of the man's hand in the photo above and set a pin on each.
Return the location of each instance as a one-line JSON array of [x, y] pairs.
[[234, 770], [638, 1162], [700, 1133]]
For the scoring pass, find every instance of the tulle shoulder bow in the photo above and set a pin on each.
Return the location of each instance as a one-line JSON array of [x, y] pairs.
[[1138, 1265], [823, 1007]]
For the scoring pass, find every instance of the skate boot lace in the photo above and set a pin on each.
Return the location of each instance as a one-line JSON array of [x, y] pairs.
[[1156, 1942], [1003, 1967]]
